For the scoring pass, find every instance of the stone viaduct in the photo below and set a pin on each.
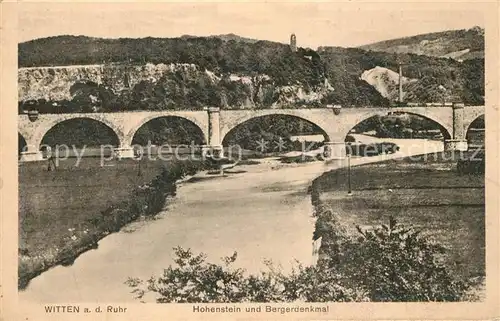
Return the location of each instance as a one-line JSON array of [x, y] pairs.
[[215, 123]]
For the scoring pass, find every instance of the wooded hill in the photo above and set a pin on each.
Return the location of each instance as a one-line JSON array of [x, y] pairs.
[[464, 81]]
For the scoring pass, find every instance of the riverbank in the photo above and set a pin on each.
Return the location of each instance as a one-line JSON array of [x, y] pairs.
[[426, 193], [64, 213]]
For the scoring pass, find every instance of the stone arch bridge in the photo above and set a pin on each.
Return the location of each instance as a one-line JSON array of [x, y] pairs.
[[215, 124]]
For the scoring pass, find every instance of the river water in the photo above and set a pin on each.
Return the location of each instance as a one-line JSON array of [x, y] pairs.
[[261, 211]]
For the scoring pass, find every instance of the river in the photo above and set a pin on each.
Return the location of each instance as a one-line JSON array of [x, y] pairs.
[[261, 211]]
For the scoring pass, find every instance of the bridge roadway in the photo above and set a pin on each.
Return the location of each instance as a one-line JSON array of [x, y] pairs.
[[216, 123]]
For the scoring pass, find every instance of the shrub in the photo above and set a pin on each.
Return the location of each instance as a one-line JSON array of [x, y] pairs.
[[473, 165], [317, 284], [393, 263], [194, 280], [390, 262], [350, 139]]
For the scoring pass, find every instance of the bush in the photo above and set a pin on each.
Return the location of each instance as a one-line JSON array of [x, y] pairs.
[[350, 139], [473, 165], [390, 262], [194, 280], [393, 263]]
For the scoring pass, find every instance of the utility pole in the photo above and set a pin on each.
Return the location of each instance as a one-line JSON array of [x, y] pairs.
[[400, 83], [349, 190]]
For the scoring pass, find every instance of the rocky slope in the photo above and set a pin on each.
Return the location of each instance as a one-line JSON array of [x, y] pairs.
[[386, 81], [161, 86], [58, 83]]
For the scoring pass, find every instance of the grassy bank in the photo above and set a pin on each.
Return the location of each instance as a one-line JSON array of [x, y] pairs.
[[427, 193], [64, 213]]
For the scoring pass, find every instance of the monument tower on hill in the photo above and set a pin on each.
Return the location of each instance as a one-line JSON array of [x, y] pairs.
[[293, 42]]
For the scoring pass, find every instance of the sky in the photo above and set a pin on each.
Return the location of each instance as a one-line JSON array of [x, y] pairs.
[[346, 24]]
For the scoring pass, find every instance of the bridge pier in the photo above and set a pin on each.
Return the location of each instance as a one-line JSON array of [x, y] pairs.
[[124, 152], [31, 152], [214, 146], [334, 150], [458, 142], [215, 151], [214, 126], [455, 144]]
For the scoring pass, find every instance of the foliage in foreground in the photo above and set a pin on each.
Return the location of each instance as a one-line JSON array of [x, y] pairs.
[[194, 280], [386, 263]]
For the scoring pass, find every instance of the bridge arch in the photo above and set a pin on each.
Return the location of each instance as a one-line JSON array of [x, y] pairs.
[[445, 121], [475, 132], [309, 115], [193, 119], [106, 129], [273, 133], [187, 131], [471, 121]]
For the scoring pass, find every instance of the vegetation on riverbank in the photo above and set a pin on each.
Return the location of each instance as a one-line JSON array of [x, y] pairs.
[[66, 212]]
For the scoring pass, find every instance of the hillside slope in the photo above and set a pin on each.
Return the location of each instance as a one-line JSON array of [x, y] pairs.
[[457, 44], [191, 72]]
